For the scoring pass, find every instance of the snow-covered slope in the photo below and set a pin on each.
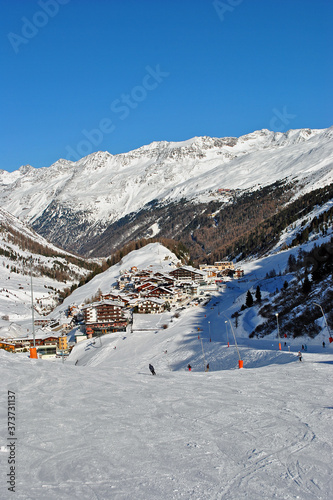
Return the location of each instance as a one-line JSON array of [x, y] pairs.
[[154, 257], [21, 249], [15, 286], [100, 426], [102, 187]]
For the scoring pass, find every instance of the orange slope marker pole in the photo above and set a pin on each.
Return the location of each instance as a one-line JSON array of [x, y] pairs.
[[33, 350]]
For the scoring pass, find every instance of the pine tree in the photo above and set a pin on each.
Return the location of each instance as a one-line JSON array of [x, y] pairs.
[[306, 287], [258, 294], [292, 263], [249, 299]]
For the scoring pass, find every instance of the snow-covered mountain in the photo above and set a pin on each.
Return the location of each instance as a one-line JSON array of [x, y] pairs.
[[22, 252], [68, 200], [227, 433]]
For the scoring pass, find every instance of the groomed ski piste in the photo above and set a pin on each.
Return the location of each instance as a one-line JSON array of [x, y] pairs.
[[100, 426]]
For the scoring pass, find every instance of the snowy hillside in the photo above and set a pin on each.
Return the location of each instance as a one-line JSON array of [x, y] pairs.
[[15, 287], [153, 256], [100, 426], [69, 198], [22, 251], [12, 223]]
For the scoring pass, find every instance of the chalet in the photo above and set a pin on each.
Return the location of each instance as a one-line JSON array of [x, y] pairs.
[[124, 280], [239, 273], [43, 343], [41, 322], [151, 306], [115, 295], [62, 343], [7, 346], [142, 275], [226, 273], [40, 340], [103, 310], [212, 273], [165, 279], [162, 292], [207, 267], [187, 274], [195, 288], [155, 279], [224, 265], [104, 316], [98, 329], [131, 298], [217, 266], [145, 286], [49, 340]]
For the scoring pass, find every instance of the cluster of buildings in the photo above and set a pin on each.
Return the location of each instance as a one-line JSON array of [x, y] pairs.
[[47, 344], [142, 291], [222, 269], [148, 292]]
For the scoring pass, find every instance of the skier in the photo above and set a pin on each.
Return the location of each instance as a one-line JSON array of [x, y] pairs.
[[323, 344], [151, 368], [189, 367], [299, 355], [207, 367]]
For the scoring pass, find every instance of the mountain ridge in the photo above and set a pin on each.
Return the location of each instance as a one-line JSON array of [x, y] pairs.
[[70, 201]]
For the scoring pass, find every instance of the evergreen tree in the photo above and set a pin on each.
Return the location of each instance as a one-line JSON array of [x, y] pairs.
[[306, 287], [258, 294], [292, 263], [249, 299]]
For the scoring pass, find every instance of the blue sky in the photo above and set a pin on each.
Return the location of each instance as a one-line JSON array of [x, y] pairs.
[[80, 76]]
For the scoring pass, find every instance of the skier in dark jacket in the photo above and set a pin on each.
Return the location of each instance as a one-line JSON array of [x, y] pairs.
[[151, 368]]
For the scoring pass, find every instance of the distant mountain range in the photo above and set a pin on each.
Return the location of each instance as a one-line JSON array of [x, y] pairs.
[[99, 203]]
